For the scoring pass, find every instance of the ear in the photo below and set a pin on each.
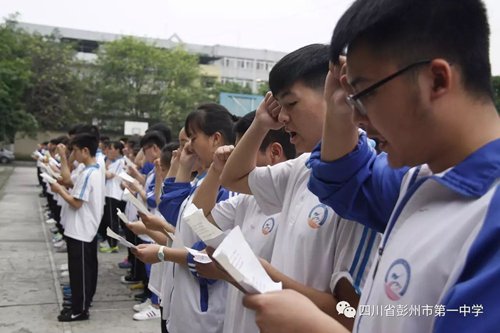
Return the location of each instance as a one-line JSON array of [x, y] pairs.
[[86, 151], [217, 139], [441, 76], [276, 153]]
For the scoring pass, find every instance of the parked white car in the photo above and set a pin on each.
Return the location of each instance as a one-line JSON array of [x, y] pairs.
[[6, 156]]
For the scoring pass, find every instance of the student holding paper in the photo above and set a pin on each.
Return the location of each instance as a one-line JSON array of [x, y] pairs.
[[316, 252], [114, 192], [82, 217], [195, 304], [258, 228]]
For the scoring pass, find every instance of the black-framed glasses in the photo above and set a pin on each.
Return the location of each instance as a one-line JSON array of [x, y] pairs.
[[354, 100]]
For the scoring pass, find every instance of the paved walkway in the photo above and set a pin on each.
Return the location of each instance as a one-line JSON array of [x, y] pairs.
[[30, 296]]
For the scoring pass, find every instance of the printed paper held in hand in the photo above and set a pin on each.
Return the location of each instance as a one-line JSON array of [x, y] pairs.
[[126, 177], [119, 238], [50, 172], [199, 256], [48, 178], [136, 202], [207, 232], [236, 257], [122, 216]]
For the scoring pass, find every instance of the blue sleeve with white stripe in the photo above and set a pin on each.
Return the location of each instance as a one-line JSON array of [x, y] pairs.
[[477, 289], [150, 194], [359, 186], [172, 199]]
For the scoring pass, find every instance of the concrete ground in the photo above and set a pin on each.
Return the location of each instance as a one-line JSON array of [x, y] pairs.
[[30, 293]]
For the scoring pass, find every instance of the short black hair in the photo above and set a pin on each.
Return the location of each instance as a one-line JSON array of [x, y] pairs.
[[153, 138], [409, 31], [117, 145], [211, 118], [166, 152], [279, 136], [85, 140], [309, 64], [104, 138], [85, 128], [163, 129], [60, 139]]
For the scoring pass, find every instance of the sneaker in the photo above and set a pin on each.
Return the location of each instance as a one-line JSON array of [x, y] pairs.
[[103, 245], [64, 274], [59, 244], [150, 312], [137, 286], [128, 280], [69, 316], [57, 237], [54, 230], [142, 296], [124, 264], [141, 306], [108, 249], [62, 249], [51, 221], [63, 267]]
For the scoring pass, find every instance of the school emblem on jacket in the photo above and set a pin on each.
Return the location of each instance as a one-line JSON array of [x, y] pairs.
[[317, 216], [397, 279], [268, 226]]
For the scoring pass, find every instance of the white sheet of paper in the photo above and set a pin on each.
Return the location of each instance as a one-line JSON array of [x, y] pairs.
[[53, 162], [50, 172], [207, 232], [136, 202], [199, 256], [126, 177], [122, 216], [119, 238], [48, 178], [237, 258]]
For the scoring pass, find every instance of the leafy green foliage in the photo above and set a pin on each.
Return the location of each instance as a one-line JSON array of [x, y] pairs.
[[44, 85]]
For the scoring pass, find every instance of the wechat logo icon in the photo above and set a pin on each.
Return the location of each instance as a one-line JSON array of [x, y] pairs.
[[346, 309]]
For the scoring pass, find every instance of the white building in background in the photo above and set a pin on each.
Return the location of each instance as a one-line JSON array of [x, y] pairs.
[[247, 67]]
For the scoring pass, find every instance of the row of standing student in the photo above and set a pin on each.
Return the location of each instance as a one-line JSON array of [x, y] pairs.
[[304, 244]]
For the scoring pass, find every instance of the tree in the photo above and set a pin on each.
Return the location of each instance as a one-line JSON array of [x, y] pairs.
[[15, 78], [55, 95], [263, 88], [138, 81]]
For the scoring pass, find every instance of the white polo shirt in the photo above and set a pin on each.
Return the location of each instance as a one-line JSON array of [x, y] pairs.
[[113, 185], [310, 246], [259, 230], [82, 223], [191, 309]]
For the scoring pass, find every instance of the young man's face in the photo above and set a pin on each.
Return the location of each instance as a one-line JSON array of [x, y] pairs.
[[151, 153], [302, 113], [112, 153], [397, 114], [79, 154]]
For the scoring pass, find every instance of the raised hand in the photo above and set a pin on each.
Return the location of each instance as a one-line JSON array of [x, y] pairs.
[[220, 157], [336, 86], [267, 113]]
